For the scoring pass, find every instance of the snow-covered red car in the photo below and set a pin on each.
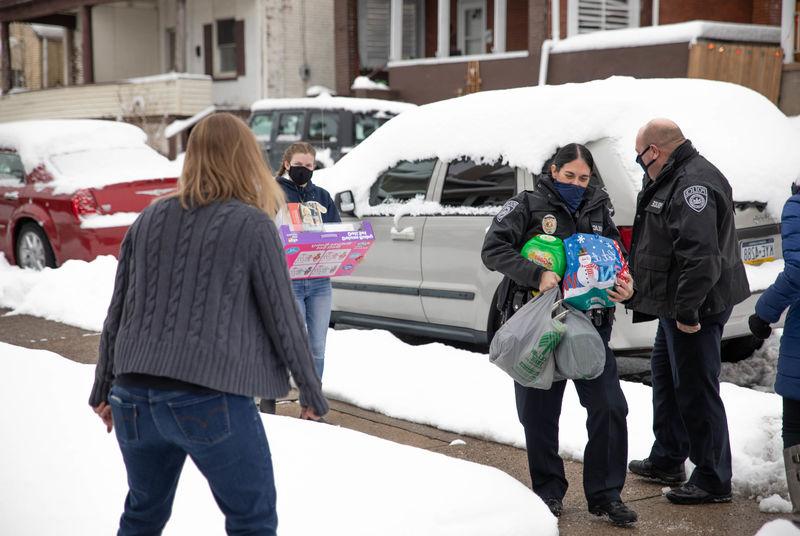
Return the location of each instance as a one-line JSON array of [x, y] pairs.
[[431, 180], [69, 189]]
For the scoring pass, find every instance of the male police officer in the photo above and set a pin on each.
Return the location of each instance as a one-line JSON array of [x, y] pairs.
[[685, 262]]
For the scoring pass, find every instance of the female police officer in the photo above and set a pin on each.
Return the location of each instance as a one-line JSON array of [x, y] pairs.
[[562, 206]]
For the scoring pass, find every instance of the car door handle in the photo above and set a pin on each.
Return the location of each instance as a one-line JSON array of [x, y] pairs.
[[406, 234], [11, 195]]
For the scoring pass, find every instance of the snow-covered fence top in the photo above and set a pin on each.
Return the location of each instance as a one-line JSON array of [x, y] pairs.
[[737, 129], [327, 102], [84, 153]]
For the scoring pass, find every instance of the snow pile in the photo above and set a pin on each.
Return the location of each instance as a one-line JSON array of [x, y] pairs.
[[795, 122], [103, 221], [757, 371], [77, 293], [84, 153], [525, 126], [685, 32], [364, 82], [326, 102], [67, 477], [779, 527], [775, 504], [763, 275], [182, 124]]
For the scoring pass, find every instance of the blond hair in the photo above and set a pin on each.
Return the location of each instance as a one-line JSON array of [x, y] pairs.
[[293, 149], [223, 161]]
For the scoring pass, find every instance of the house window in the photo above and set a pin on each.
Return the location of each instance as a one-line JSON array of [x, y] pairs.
[[223, 45], [226, 48], [374, 18], [472, 26], [586, 16]]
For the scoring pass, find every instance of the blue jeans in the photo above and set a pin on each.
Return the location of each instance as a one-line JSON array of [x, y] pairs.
[[225, 438], [314, 297]]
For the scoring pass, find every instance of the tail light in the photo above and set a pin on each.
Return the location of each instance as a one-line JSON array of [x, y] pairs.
[[626, 233], [84, 204]]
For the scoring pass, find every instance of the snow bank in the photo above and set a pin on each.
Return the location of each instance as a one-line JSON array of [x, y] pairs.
[[65, 476], [779, 527], [775, 504], [685, 32], [795, 122], [763, 275], [84, 153], [77, 293], [738, 129], [757, 371], [182, 124], [327, 102], [364, 82]]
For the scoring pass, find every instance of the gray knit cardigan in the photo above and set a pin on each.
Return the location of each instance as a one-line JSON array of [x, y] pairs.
[[204, 296]]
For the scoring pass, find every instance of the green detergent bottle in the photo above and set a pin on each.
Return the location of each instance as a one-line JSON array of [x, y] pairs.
[[546, 251]]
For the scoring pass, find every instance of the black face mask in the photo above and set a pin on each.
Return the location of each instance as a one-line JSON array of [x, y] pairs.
[[300, 175], [640, 160]]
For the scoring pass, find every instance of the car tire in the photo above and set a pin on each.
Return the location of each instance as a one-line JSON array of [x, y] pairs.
[[739, 348], [32, 248]]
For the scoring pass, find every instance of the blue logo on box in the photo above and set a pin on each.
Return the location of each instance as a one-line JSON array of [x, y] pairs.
[[347, 267], [292, 251]]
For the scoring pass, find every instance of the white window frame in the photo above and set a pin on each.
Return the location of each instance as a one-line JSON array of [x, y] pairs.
[[463, 5], [634, 14]]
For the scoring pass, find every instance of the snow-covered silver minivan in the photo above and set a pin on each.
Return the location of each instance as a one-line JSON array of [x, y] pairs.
[[430, 181]]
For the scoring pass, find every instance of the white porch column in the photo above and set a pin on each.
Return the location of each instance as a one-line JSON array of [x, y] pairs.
[[45, 63], [396, 30], [180, 37], [787, 30], [555, 21], [500, 11], [656, 11], [443, 29]]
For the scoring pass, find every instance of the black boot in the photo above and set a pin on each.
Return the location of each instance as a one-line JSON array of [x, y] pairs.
[[555, 506], [645, 468], [619, 514], [691, 494]]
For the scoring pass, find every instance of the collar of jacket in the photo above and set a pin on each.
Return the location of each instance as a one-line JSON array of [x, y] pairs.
[[679, 156], [283, 179], [591, 198]]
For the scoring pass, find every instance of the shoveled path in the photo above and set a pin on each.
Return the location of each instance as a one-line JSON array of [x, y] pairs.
[[657, 516]]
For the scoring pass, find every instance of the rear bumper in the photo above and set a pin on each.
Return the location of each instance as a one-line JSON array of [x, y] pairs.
[[88, 244], [632, 338]]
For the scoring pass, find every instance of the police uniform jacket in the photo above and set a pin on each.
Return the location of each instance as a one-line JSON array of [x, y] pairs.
[[684, 255], [536, 212]]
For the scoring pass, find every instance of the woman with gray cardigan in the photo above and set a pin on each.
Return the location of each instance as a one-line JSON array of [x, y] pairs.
[[201, 321]]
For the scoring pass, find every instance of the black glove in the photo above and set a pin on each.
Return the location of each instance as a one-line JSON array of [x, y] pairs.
[[759, 327]]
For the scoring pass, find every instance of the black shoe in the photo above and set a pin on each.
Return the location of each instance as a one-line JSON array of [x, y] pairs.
[[267, 406], [691, 494], [619, 514], [645, 468], [555, 506]]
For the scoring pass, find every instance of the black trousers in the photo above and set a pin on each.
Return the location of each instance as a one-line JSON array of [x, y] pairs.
[[606, 453], [791, 422], [688, 415]]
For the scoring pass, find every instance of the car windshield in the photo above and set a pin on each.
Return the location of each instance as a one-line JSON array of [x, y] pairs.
[[96, 168]]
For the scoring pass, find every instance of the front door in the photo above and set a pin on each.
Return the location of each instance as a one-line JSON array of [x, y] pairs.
[[12, 181], [387, 282]]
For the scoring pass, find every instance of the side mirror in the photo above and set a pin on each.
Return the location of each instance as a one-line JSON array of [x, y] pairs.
[[345, 202]]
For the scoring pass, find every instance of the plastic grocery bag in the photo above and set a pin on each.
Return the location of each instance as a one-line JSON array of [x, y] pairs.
[[524, 346], [581, 354], [593, 263]]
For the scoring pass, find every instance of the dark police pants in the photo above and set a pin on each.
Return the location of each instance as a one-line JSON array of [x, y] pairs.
[[606, 453], [688, 414]]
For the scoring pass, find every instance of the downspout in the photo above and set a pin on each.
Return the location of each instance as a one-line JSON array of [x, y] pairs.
[[547, 45], [656, 12], [544, 61]]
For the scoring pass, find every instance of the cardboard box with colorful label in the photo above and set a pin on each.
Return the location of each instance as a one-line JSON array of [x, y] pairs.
[[333, 251]]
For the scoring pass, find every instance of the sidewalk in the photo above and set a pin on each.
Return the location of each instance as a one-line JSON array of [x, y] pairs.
[[657, 516]]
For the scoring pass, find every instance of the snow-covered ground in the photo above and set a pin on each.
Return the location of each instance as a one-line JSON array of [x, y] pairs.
[[779, 527], [439, 385], [63, 475]]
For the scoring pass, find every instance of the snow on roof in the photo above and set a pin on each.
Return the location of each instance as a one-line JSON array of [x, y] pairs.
[[685, 32], [182, 124], [364, 82], [167, 77], [737, 129], [84, 153], [327, 102]]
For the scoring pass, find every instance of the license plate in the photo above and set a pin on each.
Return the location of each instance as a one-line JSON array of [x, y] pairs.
[[758, 251]]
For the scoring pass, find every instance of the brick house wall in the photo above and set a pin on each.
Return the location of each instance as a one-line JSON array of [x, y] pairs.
[[767, 12], [675, 11]]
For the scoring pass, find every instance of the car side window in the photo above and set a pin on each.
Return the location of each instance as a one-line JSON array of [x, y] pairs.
[[12, 172], [261, 125], [323, 126], [366, 124], [405, 181], [290, 126], [472, 184]]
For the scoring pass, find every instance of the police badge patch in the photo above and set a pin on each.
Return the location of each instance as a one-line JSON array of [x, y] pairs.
[[549, 224], [696, 197], [506, 210]]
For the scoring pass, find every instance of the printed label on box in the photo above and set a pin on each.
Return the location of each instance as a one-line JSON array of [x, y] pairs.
[[326, 252]]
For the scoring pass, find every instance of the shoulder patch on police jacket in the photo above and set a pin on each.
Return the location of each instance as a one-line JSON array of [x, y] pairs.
[[696, 197], [506, 210]]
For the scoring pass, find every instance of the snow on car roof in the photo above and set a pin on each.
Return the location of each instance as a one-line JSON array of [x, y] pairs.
[[326, 102], [85, 153], [684, 32], [737, 129]]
